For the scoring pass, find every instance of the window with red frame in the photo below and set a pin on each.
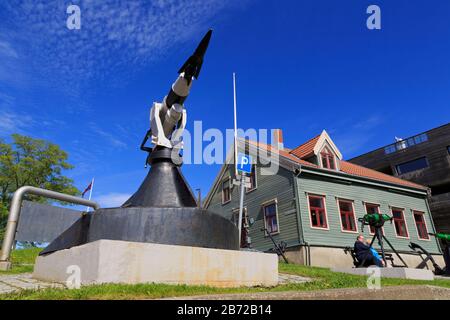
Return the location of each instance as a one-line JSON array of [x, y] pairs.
[[370, 209], [399, 223], [226, 191], [328, 159], [347, 215], [252, 179], [419, 218], [270, 217], [317, 211], [245, 226]]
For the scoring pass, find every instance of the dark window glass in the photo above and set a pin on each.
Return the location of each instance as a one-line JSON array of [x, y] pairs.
[[406, 143], [245, 226], [328, 159], [412, 165], [252, 178], [399, 223], [347, 215], [448, 149], [421, 225], [420, 138], [226, 192], [317, 211], [316, 202], [270, 216], [390, 149]]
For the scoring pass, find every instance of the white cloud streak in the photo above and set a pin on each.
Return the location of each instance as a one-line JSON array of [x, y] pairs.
[[12, 122], [6, 50], [112, 200], [113, 35], [112, 139], [351, 138]]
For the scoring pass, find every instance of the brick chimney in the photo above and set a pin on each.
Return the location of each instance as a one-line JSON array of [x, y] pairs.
[[277, 139]]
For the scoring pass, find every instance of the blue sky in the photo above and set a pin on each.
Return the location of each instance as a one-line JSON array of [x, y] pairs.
[[302, 66]]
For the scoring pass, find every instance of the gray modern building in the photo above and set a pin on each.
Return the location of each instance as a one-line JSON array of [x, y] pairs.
[[313, 202], [423, 159]]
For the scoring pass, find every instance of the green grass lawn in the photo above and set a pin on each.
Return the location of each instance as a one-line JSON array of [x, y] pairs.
[[322, 279], [22, 260]]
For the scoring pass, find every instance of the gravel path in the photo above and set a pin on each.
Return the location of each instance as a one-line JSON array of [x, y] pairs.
[[385, 293]]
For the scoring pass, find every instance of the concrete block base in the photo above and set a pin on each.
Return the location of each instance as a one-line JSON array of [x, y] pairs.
[[5, 265], [111, 261], [402, 273]]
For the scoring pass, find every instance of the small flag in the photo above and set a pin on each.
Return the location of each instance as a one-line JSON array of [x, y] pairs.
[[89, 187]]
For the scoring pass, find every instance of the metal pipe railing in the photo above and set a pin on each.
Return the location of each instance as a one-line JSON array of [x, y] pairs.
[[16, 205]]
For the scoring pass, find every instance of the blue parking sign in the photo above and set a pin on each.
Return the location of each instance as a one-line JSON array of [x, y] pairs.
[[244, 163]]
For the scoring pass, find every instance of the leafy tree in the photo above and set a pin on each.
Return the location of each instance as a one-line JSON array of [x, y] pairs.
[[32, 162], [3, 219]]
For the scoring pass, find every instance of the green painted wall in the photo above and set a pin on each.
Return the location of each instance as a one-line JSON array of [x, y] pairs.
[[280, 187], [359, 193]]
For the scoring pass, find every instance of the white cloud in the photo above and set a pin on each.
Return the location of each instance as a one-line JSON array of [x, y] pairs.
[[351, 138], [113, 140], [6, 50], [112, 200], [12, 122], [114, 35]]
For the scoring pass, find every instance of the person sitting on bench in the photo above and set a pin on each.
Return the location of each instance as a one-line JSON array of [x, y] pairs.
[[363, 253]]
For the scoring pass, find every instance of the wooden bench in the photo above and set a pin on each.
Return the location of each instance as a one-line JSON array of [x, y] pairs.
[[356, 263]]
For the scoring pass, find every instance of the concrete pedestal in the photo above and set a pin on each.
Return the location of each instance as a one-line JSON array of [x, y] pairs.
[[402, 273], [112, 261]]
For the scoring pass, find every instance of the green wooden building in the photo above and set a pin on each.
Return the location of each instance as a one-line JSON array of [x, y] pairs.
[[313, 201]]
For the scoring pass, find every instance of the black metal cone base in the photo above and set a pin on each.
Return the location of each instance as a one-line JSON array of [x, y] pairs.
[[163, 210], [173, 226], [164, 186]]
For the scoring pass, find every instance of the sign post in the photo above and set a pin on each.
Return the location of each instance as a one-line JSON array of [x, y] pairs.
[[244, 167]]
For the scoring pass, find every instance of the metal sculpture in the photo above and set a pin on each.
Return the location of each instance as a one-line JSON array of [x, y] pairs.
[[164, 209]]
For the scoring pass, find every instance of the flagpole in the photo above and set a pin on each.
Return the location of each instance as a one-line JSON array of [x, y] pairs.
[[242, 175], [90, 193], [235, 126]]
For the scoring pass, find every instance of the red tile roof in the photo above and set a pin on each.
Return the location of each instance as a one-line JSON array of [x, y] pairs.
[[283, 153], [345, 167], [360, 171], [305, 149]]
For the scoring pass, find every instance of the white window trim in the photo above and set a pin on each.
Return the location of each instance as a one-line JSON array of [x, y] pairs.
[[337, 160], [223, 181], [265, 204], [415, 226], [404, 219], [354, 215], [236, 210], [256, 181], [308, 194]]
